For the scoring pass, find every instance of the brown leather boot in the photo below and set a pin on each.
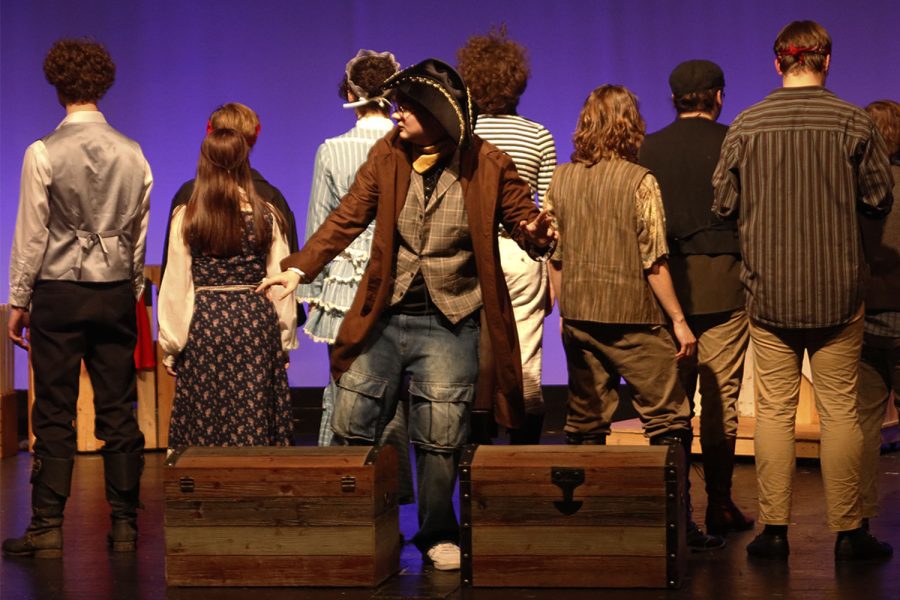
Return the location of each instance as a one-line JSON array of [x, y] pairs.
[[51, 481], [722, 515]]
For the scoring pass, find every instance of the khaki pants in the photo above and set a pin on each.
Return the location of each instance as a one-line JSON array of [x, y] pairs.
[[879, 374], [718, 367], [834, 357], [526, 280], [598, 354]]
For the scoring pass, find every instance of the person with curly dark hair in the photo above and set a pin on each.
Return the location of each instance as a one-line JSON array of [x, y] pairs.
[[77, 268], [610, 298], [496, 70]]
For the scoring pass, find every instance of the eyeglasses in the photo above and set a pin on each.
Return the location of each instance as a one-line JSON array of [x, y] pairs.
[[402, 110]]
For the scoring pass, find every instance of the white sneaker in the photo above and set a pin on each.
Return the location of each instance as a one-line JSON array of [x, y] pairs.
[[444, 556]]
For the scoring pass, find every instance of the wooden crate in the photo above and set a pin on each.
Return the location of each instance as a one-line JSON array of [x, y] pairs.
[[9, 414], [572, 516], [301, 516]]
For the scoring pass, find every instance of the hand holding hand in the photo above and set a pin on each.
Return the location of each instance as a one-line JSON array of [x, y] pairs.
[[288, 279]]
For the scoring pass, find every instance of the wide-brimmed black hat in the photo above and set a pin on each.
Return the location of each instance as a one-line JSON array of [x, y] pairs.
[[438, 88], [696, 76]]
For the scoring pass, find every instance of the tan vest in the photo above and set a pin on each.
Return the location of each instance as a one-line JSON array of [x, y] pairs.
[[603, 279], [435, 238]]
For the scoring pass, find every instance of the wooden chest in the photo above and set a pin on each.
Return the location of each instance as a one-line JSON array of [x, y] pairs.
[[572, 516], [300, 516]]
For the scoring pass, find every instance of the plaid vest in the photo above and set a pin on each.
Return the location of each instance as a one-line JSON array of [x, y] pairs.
[[435, 239]]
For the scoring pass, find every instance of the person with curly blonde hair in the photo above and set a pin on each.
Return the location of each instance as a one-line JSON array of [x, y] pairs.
[[496, 71], [77, 268], [610, 275]]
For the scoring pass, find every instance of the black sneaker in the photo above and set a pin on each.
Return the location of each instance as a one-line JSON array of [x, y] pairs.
[[698, 541], [771, 546], [859, 544]]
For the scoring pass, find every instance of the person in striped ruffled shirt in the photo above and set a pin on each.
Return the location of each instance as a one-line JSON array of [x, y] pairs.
[[496, 70]]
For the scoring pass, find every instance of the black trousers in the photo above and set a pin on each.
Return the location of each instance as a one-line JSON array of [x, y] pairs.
[[95, 322]]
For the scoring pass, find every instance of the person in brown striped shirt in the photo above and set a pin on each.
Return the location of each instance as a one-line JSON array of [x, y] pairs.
[[610, 274], [795, 169]]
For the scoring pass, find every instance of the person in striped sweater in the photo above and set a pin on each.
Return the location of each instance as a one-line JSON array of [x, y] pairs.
[[496, 70]]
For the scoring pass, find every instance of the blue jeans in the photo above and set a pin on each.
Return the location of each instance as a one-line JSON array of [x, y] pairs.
[[442, 362]]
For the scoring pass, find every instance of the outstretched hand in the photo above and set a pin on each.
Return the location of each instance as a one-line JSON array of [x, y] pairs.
[[540, 230], [288, 279]]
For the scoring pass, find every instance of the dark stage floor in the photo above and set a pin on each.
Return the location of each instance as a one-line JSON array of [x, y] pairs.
[[88, 571]]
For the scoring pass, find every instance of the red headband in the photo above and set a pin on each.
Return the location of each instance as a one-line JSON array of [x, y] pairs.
[[799, 52], [210, 129]]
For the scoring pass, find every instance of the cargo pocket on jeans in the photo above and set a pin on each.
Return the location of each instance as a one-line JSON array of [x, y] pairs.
[[439, 414], [358, 403]]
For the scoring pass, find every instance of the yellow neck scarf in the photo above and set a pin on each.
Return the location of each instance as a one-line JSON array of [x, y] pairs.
[[425, 157]]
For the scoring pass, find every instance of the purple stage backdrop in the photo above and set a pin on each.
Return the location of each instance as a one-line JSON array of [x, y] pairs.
[[179, 59]]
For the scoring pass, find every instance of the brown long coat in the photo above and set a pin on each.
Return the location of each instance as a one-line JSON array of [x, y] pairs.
[[493, 193]]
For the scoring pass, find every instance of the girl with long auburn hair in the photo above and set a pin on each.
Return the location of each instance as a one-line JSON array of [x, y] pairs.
[[226, 344]]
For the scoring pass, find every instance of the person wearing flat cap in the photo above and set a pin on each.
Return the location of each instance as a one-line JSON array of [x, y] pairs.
[[433, 285], [705, 261]]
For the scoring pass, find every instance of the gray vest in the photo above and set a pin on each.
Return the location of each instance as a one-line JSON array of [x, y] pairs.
[[603, 279], [435, 239], [94, 196]]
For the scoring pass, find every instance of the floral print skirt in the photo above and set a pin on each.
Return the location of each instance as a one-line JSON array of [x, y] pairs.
[[231, 387]]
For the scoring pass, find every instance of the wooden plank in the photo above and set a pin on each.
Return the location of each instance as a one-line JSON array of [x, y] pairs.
[[146, 407], [569, 571], [7, 355], [388, 544], [524, 481], [9, 410], [553, 456], [218, 484], [242, 571], [269, 457], [165, 394], [283, 541], [539, 541], [601, 511], [275, 512], [9, 425]]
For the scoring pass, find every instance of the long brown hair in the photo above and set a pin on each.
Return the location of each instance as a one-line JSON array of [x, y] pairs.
[[609, 125], [213, 223]]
